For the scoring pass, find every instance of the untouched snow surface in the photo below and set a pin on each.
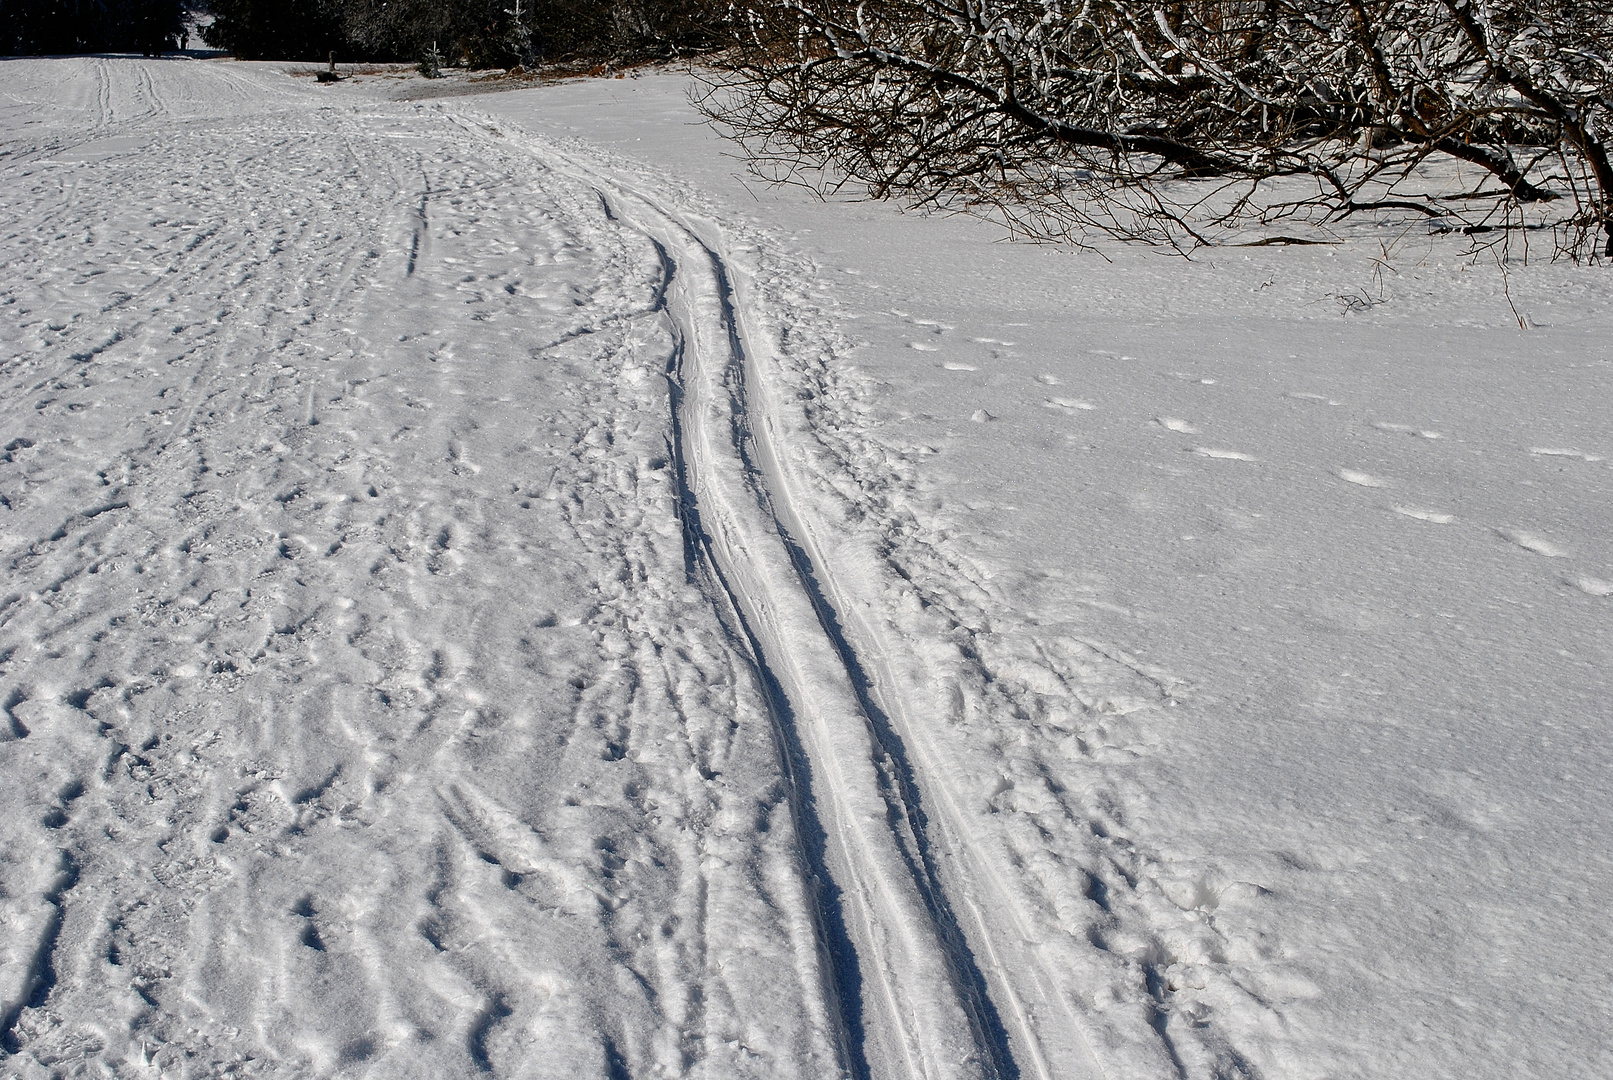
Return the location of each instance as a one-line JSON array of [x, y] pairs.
[[488, 592]]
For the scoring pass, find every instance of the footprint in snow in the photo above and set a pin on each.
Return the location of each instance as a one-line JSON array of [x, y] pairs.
[[1364, 479], [1224, 455], [1172, 423], [1543, 451], [1433, 516], [1407, 429], [1593, 586], [1531, 542]]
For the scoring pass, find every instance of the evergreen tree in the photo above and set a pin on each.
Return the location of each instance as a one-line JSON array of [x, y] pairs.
[[277, 29], [489, 33], [475, 33], [46, 27]]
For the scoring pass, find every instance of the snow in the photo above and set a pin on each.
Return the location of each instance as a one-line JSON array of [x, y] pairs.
[[492, 589]]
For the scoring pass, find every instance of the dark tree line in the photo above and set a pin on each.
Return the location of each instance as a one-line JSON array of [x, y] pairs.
[[476, 33], [277, 29], [45, 27]]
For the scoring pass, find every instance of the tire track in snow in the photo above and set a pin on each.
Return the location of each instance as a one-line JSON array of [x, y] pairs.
[[934, 1015]]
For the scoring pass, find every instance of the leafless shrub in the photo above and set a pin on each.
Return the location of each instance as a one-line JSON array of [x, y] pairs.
[[1175, 122]]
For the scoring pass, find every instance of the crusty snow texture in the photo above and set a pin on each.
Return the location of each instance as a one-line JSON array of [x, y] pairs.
[[473, 606]]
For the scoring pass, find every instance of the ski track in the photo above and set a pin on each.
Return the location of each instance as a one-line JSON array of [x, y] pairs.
[[456, 610], [884, 867]]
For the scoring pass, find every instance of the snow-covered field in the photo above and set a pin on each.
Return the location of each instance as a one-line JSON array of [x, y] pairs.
[[488, 590]]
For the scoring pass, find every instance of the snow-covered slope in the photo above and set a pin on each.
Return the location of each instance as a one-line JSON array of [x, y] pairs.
[[1349, 528], [488, 592], [364, 712]]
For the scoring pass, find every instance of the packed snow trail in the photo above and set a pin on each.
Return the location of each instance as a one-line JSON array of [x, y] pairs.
[[1046, 924], [931, 1016]]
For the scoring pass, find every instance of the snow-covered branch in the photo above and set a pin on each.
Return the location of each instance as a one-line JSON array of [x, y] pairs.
[[1063, 115]]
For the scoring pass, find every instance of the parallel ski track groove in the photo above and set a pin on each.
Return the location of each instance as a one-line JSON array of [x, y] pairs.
[[901, 789], [703, 568], [904, 798]]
